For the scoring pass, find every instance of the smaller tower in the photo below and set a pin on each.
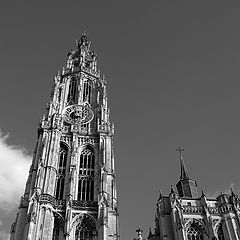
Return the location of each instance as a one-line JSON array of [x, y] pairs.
[[188, 216], [186, 186]]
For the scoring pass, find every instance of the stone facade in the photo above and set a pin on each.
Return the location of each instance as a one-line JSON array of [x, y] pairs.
[[185, 214], [71, 191]]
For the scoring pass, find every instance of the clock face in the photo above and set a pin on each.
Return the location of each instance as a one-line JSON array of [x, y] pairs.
[[77, 114]]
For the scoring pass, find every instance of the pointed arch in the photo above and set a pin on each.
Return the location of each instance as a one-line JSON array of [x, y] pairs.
[[62, 164], [72, 92], [196, 229], [78, 217], [194, 220], [84, 226], [86, 174], [87, 91], [59, 96], [88, 145]]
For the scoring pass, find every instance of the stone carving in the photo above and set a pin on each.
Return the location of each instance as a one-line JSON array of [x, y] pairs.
[[66, 140], [191, 209], [33, 210], [85, 204], [179, 218], [72, 171], [84, 140]]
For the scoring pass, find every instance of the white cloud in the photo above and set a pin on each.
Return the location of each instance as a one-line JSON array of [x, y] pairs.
[[14, 167]]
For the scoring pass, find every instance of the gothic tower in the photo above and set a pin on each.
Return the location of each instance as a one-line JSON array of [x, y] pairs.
[[70, 193]]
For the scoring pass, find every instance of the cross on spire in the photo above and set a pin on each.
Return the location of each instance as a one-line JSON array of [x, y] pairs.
[[184, 174], [180, 150]]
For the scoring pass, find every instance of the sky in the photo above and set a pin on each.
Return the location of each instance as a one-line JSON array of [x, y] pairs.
[[173, 72]]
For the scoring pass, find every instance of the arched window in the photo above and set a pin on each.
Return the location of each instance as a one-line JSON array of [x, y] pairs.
[[86, 229], [87, 91], [194, 232], [220, 233], [86, 175], [58, 228], [59, 94], [61, 171], [72, 93]]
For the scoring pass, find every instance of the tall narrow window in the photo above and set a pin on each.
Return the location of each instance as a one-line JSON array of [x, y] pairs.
[[194, 232], [61, 171], [58, 228], [72, 93], [56, 231], [59, 94], [87, 91], [220, 233], [85, 229], [86, 175]]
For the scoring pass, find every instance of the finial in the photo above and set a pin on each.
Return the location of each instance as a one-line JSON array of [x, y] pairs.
[[184, 174], [203, 194], [139, 233], [63, 70], [77, 44], [83, 40], [160, 195], [232, 192], [150, 233]]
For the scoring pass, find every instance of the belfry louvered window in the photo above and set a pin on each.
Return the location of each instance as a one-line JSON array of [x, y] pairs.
[[194, 232], [72, 93], [87, 91], [61, 171], [86, 175]]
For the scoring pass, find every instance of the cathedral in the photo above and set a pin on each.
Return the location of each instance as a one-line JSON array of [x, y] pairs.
[[71, 192], [187, 214]]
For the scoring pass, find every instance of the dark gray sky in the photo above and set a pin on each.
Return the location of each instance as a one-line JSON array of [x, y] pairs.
[[173, 71]]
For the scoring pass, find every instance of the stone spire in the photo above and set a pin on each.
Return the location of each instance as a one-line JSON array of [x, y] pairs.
[[186, 186]]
